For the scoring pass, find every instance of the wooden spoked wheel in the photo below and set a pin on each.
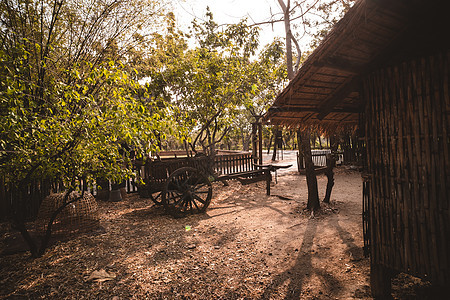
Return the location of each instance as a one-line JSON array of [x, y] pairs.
[[156, 197], [187, 190]]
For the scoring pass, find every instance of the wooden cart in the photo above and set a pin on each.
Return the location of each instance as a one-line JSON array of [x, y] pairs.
[[183, 185]]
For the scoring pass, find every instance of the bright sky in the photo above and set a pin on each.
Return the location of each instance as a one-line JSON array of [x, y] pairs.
[[232, 11]]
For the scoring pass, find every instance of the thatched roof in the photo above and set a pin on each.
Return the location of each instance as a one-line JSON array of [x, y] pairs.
[[326, 89]]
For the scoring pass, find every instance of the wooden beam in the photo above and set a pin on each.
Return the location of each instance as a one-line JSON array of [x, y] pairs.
[[310, 110], [305, 75], [339, 64], [328, 105], [300, 119]]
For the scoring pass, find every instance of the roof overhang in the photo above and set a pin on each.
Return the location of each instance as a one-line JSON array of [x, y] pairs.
[[326, 91]]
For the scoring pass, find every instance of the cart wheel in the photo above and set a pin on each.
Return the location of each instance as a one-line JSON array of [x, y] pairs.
[[187, 190], [156, 198]]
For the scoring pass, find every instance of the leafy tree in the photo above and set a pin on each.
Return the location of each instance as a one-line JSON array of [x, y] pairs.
[[214, 79], [66, 106], [217, 84], [266, 76]]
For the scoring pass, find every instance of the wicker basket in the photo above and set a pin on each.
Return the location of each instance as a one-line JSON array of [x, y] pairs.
[[80, 216]]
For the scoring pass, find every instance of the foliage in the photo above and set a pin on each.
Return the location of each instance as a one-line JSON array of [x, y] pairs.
[[315, 21], [73, 134], [214, 81], [213, 84], [222, 79], [66, 106], [70, 110], [267, 75]]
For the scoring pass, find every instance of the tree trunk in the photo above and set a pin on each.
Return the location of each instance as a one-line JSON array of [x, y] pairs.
[[287, 28], [276, 143], [36, 249], [330, 176], [211, 154], [289, 39], [300, 158], [245, 143], [20, 225], [311, 179], [260, 151]]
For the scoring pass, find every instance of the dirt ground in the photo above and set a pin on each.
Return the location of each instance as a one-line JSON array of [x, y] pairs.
[[246, 246]]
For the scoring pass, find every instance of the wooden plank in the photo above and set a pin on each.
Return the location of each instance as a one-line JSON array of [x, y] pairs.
[[412, 159], [403, 175], [422, 201], [396, 166], [438, 93], [375, 208], [388, 104], [316, 89]]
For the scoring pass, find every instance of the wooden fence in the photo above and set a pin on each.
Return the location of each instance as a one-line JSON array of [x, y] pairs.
[[319, 158], [226, 164], [10, 199]]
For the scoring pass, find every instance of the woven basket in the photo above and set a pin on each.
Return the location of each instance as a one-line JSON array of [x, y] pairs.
[[77, 217]]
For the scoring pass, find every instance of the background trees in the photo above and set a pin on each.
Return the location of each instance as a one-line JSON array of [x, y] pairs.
[[222, 82]]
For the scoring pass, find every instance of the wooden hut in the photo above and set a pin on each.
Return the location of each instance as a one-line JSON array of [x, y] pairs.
[[385, 68]]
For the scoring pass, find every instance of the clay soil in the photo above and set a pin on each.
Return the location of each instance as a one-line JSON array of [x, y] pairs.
[[246, 246]]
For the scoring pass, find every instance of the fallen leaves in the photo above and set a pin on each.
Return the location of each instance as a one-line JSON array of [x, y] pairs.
[[101, 276], [241, 247]]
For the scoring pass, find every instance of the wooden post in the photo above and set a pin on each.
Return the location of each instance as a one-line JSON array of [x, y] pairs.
[[311, 179], [254, 143], [330, 162], [268, 180], [260, 157], [380, 282]]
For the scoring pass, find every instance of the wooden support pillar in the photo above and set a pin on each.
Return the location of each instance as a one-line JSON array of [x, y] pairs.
[[331, 163], [311, 179], [380, 281], [268, 181], [260, 154]]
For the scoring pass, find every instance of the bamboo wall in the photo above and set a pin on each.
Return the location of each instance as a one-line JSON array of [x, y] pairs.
[[407, 138]]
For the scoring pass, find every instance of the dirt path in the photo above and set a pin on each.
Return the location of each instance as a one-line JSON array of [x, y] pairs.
[[246, 246], [306, 257]]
